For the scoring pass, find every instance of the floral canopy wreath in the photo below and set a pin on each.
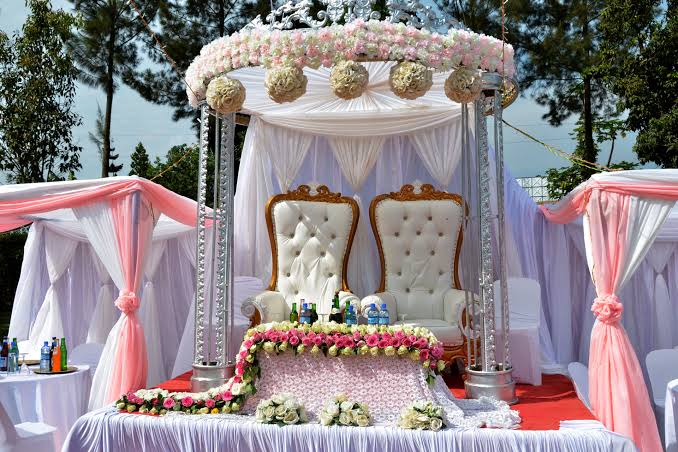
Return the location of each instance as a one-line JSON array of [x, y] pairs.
[[404, 37]]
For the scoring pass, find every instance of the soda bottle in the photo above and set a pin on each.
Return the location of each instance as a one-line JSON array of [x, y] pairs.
[[335, 314], [4, 353], [56, 359], [64, 354], [45, 358]]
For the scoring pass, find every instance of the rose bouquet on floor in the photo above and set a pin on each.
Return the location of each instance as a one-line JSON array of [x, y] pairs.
[[281, 409], [422, 415], [341, 411]]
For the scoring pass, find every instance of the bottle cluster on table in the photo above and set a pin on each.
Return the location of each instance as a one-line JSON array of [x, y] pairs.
[[9, 356], [54, 357], [308, 313]]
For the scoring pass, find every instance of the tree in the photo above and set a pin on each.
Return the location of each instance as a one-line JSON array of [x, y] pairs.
[[37, 89], [141, 164], [182, 178], [562, 52], [640, 64], [98, 138], [562, 181], [106, 51]]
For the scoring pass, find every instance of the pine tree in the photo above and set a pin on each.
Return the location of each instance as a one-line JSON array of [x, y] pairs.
[[107, 52], [37, 90], [98, 138], [141, 164]]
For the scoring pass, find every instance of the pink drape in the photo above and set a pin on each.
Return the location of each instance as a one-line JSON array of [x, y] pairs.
[[617, 389], [133, 218], [174, 206]]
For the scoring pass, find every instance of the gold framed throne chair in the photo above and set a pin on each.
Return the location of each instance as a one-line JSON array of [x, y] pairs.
[[311, 231], [419, 236]]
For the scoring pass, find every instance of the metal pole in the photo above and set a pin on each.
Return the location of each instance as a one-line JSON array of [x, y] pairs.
[[198, 344], [466, 224], [503, 266], [227, 186]]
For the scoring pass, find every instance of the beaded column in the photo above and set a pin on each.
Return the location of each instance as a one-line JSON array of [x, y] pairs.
[[200, 340]]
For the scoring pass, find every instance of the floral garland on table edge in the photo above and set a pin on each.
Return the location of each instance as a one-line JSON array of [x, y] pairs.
[[331, 339], [356, 41]]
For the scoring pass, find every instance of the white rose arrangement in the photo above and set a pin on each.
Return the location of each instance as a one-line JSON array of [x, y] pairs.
[[341, 411], [410, 80], [281, 409], [422, 415], [463, 85], [349, 79], [285, 84], [225, 95]]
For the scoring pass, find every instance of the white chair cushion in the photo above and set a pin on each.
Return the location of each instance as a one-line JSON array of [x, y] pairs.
[[419, 241], [311, 240], [443, 331]]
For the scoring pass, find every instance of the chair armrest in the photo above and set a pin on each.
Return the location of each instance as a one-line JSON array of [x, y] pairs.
[[378, 299], [269, 304], [346, 298], [454, 302]]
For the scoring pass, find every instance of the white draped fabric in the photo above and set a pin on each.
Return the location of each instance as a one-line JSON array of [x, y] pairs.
[[48, 322], [439, 151], [106, 430], [150, 317], [377, 112], [105, 314], [286, 165]]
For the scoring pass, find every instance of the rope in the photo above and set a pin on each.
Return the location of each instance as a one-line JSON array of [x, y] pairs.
[[572, 158], [161, 46], [175, 163]]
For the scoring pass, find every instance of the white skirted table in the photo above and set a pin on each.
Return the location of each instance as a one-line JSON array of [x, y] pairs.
[[56, 400], [107, 430]]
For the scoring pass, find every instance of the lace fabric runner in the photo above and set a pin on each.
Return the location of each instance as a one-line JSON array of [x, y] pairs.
[[386, 384]]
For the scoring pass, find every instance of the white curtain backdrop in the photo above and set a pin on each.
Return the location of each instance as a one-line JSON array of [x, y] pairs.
[[105, 312], [49, 323], [286, 165], [439, 151], [356, 158], [149, 316]]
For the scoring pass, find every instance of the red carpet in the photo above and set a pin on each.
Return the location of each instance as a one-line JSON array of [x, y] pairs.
[[541, 407]]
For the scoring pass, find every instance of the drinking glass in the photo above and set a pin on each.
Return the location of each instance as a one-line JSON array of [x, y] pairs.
[[25, 370]]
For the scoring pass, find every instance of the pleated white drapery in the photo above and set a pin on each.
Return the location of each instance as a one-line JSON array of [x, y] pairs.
[[48, 323], [105, 313], [356, 157], [439, 151], [658, 257], [150, 318], [285, 164]]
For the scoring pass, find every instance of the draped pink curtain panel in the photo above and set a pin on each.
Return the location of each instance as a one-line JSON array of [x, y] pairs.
[[135, 206], [617, 391]]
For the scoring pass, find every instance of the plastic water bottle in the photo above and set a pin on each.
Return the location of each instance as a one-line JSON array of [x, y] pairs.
[[305, 316], [373, 315], [13, 358], [349, 316], [45, 358], [384, 318]]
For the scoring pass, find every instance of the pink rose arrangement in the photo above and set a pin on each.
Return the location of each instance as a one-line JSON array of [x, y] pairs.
[[358, 40], [329, 339]]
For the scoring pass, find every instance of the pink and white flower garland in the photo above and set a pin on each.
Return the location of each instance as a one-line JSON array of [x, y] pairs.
[[331, 339], [358, 40]]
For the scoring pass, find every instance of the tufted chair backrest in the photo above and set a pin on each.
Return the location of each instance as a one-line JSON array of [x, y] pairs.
[[311, 235], [419, 239]]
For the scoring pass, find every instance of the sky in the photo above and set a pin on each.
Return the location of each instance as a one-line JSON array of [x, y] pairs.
[[135, 120]]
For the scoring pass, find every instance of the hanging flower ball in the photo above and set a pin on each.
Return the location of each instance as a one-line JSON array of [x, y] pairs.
[[463, 85], [410, 80], [225, 95], [349, 79], [285, 84]]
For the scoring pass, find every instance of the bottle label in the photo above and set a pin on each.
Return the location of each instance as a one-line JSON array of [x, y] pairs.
[[3, 361], [383, 320], [372, 321]]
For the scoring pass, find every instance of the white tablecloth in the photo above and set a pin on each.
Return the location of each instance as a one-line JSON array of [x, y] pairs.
[[106, 430], [671, 416], [56, 400]]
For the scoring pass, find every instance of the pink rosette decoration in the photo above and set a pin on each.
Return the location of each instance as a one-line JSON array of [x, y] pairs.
[[127, 302], [607, 308]]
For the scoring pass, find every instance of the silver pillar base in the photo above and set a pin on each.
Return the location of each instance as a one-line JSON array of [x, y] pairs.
[[206, 377], [498, 385]]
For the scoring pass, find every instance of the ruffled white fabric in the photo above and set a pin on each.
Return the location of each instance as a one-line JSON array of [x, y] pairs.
[[106, 430]]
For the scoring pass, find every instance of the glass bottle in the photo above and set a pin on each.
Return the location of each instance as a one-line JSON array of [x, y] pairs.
[[64, 354], [294, 315], [4, 353], [335, 314], [314, 313]]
